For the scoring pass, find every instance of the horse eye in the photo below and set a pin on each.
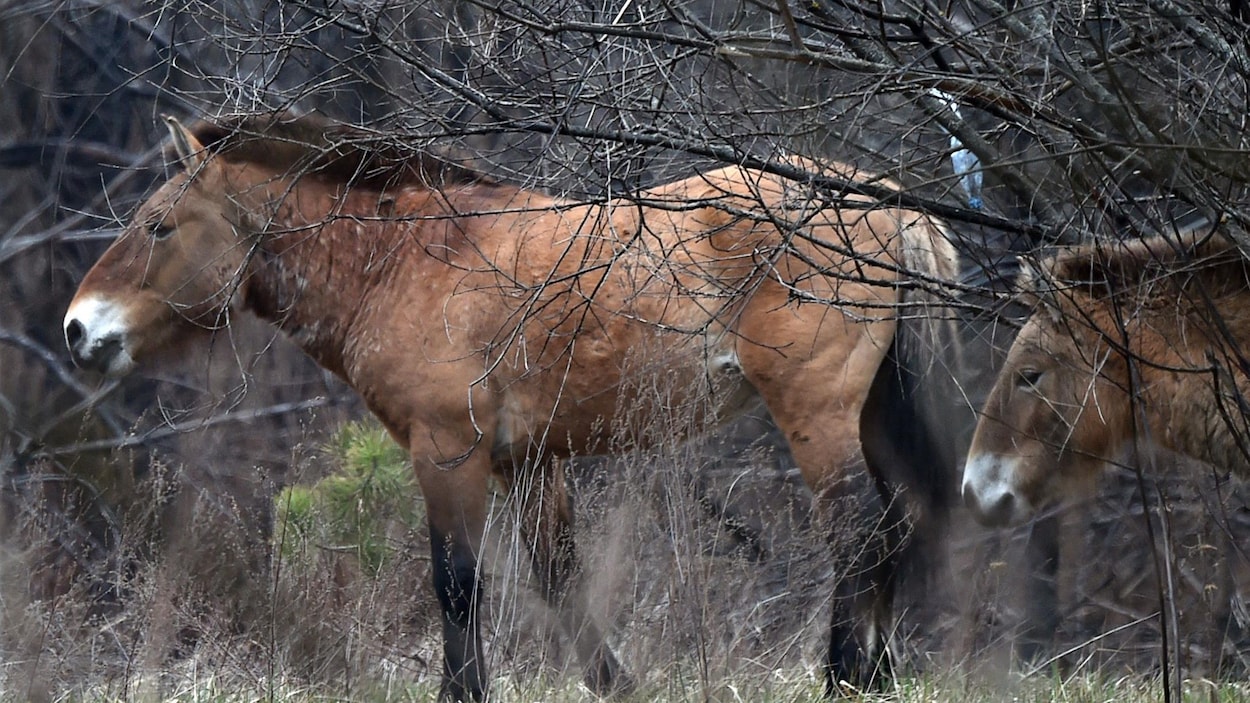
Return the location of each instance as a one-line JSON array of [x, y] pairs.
[[1028, 379], [161, 230]]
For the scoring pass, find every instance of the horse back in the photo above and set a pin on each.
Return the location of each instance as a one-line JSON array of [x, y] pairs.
[[550, 310]]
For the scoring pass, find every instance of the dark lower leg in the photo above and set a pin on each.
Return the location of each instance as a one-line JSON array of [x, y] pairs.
[[1042, 607], [859, 636], [562, 589], [459, 594], [547, 523], [867, 537]]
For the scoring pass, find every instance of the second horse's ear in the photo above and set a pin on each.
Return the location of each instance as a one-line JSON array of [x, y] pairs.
[[190, 152], [1036, 288]]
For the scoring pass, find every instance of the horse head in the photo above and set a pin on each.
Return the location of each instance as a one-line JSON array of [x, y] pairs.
[[1058, 410], [175, 269]]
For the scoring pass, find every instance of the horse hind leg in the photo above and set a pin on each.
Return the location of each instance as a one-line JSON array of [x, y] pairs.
[[859, 650], [867, 535], [817, 404], [865, 522], [546, 521]]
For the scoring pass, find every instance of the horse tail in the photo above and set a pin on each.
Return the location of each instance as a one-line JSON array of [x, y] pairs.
[[918, 393], [906, 442]]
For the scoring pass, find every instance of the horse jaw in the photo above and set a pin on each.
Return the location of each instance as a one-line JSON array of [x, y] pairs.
[[989, 490], [97, 334]]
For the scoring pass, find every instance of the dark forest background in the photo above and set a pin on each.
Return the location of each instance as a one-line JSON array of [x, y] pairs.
[[139, 516]]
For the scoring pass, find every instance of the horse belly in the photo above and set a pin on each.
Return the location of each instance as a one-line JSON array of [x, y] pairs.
[[525, 427], [643, 407]]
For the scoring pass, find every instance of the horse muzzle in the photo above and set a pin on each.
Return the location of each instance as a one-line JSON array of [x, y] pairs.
[[990, 493], [96, 339]]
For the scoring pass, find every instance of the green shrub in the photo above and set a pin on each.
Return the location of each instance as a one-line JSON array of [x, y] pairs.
[[360, 508]]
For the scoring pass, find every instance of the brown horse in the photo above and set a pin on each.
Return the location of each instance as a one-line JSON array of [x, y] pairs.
[[1132, 342], [496, 330]]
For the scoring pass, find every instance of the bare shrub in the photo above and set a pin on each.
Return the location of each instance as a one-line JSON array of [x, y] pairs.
[[1091, 120]]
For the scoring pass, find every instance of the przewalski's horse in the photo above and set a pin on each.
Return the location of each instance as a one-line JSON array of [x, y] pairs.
[[495, 330], [1139, 341]]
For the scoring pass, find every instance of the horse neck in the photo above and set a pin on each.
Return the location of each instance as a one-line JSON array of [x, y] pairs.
[[1192, 406], [317, 258]]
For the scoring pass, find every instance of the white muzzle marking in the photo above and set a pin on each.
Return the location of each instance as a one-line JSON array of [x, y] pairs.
[[96, 332], [990, 492]]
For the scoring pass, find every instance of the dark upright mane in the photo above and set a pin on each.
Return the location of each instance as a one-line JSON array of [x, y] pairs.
[[1125, 268], [314, 145]]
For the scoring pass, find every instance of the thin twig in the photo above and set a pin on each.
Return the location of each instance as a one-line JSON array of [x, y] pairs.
[[163, 431]]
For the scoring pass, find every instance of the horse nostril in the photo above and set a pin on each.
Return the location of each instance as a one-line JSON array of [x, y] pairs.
[[992, 507], [969, 496], [74, 332], [1000, 511]]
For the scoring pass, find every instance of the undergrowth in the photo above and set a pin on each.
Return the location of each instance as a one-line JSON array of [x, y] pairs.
[[358, 508], [782, 687]]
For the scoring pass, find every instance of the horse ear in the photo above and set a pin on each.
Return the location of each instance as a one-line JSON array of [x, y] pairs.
[[1028, 278], [1095, 269], [1035, 286], [190, 152]]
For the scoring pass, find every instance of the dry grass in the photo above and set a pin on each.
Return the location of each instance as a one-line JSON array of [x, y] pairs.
[[787, 686], [198, 607], [697, 613]]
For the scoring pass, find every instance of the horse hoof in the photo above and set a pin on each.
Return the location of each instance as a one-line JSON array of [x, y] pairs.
[[453, 691], [610, 682], [853, 679]]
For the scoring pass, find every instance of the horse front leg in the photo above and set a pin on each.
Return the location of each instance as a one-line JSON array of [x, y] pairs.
[[1042, 591], [546, 521], [455, 502]]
